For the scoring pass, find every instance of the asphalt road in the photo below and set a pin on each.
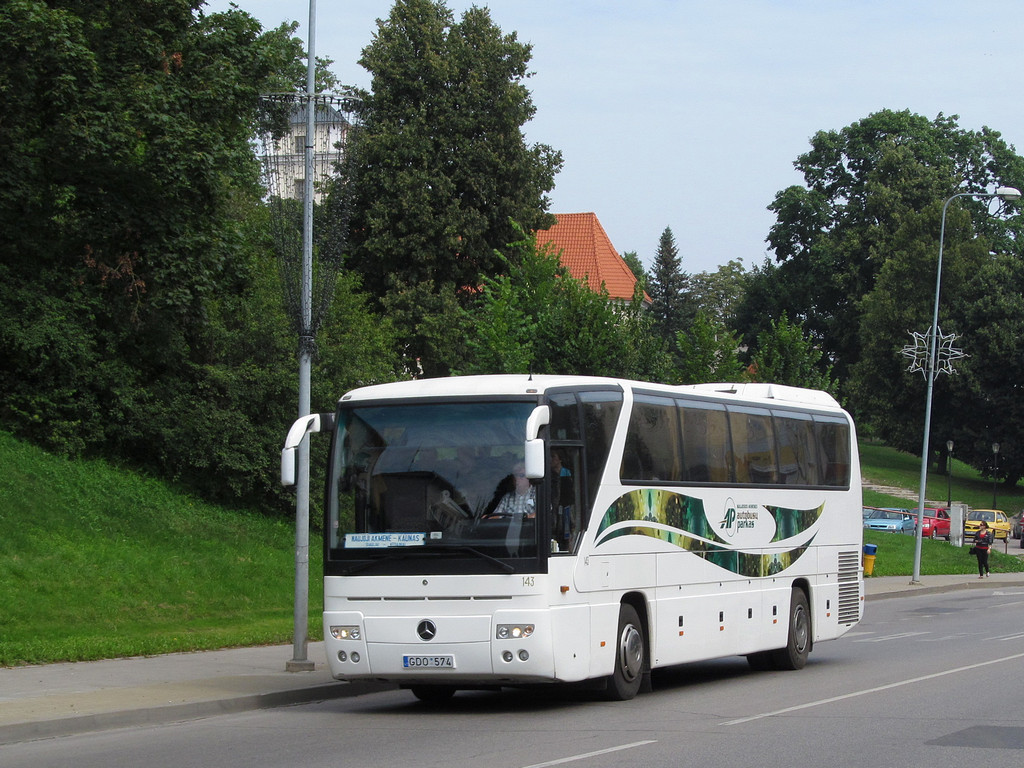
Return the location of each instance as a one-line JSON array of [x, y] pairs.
[[926, 680]]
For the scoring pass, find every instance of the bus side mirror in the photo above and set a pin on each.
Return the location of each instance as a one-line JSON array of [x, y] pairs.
[[303, 426], [533, 455]]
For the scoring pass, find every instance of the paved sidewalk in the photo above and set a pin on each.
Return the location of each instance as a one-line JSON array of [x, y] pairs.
[[879, 588], [53, 700]]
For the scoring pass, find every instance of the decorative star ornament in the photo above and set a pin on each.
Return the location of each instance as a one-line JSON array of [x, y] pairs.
[[945, 352]]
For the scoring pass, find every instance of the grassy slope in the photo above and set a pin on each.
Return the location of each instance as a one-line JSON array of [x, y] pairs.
[[895, 557], [887, 466], [98, 562]]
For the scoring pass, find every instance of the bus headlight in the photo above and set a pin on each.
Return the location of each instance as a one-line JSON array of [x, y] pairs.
[[345, 633], [513, 631]]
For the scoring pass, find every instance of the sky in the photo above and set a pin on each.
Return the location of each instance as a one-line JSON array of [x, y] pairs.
[[689, 114]]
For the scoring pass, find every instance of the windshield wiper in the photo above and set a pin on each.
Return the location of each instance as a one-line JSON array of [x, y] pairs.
[[365, 566], [484, 556]]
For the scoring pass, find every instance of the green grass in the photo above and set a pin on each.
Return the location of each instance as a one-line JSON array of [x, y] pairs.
[[99, 562], [895, 556], [887, 466]]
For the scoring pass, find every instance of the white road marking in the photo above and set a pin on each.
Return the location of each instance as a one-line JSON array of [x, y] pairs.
[[573, 758], [1018, 636], [855, 694], [883, 638]]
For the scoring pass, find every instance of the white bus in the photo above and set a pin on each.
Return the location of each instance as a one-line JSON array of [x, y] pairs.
[[491, 531]]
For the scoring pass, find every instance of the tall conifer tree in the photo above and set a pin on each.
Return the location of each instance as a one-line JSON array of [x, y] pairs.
[[668, 287]]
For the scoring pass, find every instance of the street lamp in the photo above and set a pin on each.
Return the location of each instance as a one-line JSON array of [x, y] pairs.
[[1004, 193], [995, 470], [949, 475]]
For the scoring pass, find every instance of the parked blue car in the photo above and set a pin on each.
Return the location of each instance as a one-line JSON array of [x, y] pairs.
[[891, 521]]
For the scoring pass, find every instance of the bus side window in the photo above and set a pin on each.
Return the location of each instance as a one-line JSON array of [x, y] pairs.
[[706, 454], [753, 446], [798, 459], [600, 415], [652, 450], [565, 417], [834, 441], [568, 521]]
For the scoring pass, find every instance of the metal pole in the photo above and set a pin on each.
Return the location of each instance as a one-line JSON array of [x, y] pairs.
[[300, 661], [930, 378], [1005, 193], [995, 471], [949, 475]]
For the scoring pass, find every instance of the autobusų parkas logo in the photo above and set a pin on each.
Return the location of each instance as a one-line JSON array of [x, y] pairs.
[[737, 516]]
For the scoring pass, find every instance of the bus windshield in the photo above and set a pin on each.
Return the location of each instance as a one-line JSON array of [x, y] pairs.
[[410, 481]]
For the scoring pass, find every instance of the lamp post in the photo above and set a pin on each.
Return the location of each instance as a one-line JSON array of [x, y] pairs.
[[1004, 193], [995, 470], [300, 661], [949, 475]]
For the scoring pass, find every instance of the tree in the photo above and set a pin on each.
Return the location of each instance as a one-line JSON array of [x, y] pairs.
[[668, 287], [984, 405], [440, 164], [718, 294], [785, 356], [707, 352], [138, 316], [889, 397], [537, 318], [833, 235]]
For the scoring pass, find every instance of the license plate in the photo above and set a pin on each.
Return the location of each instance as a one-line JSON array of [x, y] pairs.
[[429, 662]]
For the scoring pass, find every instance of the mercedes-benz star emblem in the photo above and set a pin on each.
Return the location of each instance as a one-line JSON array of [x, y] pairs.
[[426, 629]]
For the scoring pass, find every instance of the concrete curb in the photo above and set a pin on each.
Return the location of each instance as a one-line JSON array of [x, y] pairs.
[[965, 582], [174, 713]]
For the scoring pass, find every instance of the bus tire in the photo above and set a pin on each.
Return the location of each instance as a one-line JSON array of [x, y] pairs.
[[433, 694], [630, 656], [794, 655]]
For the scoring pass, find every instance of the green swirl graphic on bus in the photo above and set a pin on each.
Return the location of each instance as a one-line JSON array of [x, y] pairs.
[[680, 520]]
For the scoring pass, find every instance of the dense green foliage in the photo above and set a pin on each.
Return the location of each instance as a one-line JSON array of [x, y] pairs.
[[718, 294], [140, 304], [856, 250], [855, 264], [707, 352], [785, 356], [124, 274], [536, 318], [141, 312], [440, 164]]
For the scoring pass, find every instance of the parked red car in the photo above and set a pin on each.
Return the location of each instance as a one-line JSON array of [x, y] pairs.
[[935, 523]]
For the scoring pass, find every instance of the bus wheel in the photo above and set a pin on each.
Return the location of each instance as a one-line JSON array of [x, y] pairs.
[[794, 655], [625, 681], [433, 693]]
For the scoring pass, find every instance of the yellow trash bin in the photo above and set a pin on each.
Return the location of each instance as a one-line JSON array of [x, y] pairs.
[[869, 558], [869, 564]]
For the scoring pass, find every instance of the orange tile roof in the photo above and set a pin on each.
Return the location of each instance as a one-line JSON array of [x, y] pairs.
[[588, 254]]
